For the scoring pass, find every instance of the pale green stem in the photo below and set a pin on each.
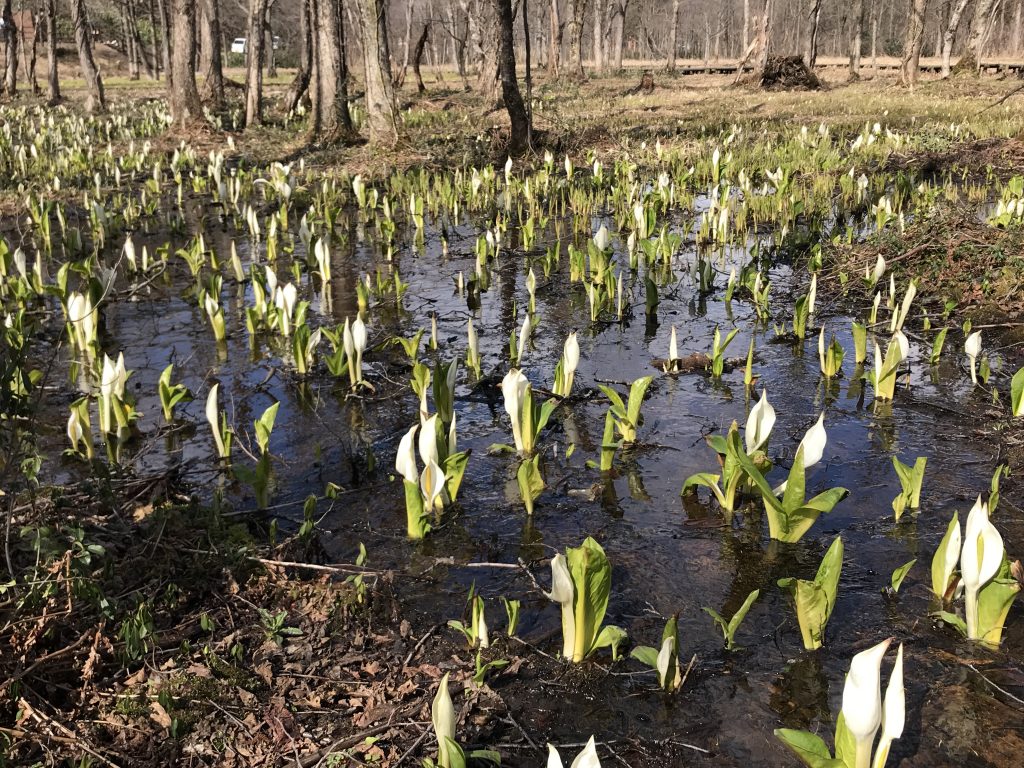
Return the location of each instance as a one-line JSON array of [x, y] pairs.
[[971, 612]]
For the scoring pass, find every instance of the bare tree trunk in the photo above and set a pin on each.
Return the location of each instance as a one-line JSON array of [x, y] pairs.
[[618, 32], [165, 37], [554, 57], [52, 75], [254, 50], [406, 44], [331, 119], [269, 51], [183, 94], [417, 57], [577, 9], [95, 101], [519, 133], [1018, 11], [214, 75], [129, 42], [599, 35], [11, 43], [765, 36], [874, 44], [949, 34], [984, 11], [910, 66], [154, 30], [856, 34], [380, 99], [813, 19], [746, 24], [673, 39], [300, 84]]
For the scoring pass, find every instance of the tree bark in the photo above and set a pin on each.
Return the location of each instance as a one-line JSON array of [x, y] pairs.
[[300, 83], [269, 52], [618, 32], [813, 20], [910, 65], [165, 37], [949, 34], [555, 40], [746, 24], [254, 53], [673, 38], [406, 45], [381, 119], [331, 120], [577, 10], [52, 74], [417, 57], [599, 35], [183, 93], [519, 133], [984, 11], [11, 43], [95, 101], [856, 37], [765, 36], [214, 75]]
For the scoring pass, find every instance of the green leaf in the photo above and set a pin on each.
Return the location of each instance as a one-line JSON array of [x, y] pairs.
[[454, 469], [816, 599], [610, 637], [808, 747], [954, 621], [937, 345], [530, 481], [618, 406], [900, 574], [591, 576], [1017, 393], [940, 582], [637, 390], [741, 613], [646, 655], [994, 602], [265, 425], [793, 497]]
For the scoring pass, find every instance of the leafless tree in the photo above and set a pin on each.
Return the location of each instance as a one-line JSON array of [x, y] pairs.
[[577, 10], [910, 65], [984, 13], [381, 119], [813, 20], [673, 40], [856, 37], [213, 81], [254, 50], [52, 74], [11, 44], [949, 33], [183, 93], [519, 133], [329, 96], [95, 101]]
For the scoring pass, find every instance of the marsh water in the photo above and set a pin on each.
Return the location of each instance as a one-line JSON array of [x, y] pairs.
[[670, 555]]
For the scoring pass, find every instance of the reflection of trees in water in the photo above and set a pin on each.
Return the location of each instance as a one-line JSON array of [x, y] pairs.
[[800, 695]]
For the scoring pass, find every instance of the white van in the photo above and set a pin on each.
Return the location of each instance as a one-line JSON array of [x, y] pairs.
[[238, 45]]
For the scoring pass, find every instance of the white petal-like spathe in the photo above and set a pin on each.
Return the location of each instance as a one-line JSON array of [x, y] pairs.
[[862, 697], [442, 714], [894, 713], [513, 388], [759, 423], [554, 760], [588, 757], [814, 442], [978, 568], [405, 461], [673, 346], [563, 591], [428, 441], [601, 239], [900, 338], [211, 407], [668, 649], [359, 334], [571, 353], [431, 484], [973, 345]]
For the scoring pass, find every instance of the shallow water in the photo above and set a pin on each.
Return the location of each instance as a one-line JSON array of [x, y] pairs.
[[670, 555]]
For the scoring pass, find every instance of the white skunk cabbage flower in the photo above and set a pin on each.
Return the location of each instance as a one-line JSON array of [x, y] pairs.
[[973, 348], [673, 346], [813, 444], [442, 714], [601, 239], [862, 699], [812, 294], [432, 484], [563, 592], [585, 759], [513, 388], [980, 560], [894, 712], [428, 440], [571, 352], [759, 423], [405, 461], [212, 416], [878, 271]]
